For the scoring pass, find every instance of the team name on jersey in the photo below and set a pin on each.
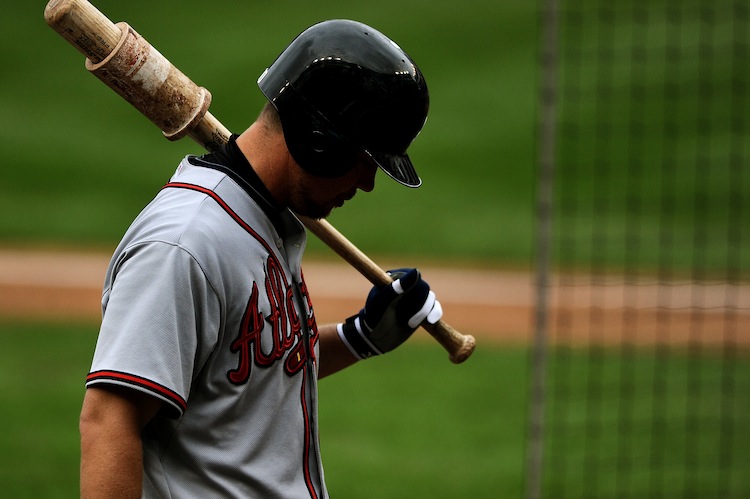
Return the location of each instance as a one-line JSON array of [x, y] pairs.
[[287, 336]]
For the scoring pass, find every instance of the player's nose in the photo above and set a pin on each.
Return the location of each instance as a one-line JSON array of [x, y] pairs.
[[367, 180], [367, 171]]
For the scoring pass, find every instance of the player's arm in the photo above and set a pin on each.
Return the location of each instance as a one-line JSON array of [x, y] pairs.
[[112, 419], [390, 315], [334, 356]]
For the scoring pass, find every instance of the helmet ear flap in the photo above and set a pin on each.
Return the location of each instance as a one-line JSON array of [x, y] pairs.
[[327, 155], [319, 143], [311, 140]]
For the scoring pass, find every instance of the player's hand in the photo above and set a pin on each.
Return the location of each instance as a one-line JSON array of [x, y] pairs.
[[391, 314]]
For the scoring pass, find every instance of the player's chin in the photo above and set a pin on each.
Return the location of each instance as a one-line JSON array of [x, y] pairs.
[[315, 210]]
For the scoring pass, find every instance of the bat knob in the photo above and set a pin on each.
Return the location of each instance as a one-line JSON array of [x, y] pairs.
[[464, 350]]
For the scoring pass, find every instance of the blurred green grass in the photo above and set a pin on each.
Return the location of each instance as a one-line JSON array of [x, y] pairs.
[[42, 371], [410, 424], [80, 163], [648, 421]]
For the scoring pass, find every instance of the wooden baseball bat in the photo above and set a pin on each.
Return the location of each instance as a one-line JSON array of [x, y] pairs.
[[124, 61]]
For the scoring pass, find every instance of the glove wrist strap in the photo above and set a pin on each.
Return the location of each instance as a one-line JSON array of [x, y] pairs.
[[350, 333]]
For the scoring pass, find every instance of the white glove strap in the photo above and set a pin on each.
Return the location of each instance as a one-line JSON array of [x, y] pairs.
[[430, 310], [435, 314]]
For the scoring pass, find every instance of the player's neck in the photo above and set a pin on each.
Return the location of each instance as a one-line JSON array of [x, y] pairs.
[[269, 157]]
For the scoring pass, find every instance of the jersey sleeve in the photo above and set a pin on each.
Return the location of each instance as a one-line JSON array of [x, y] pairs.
[[161, 318]]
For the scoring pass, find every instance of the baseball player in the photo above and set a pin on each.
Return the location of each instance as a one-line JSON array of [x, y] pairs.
[[204, 377]]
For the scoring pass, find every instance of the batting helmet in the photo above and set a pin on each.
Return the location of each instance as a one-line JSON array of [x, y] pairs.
[[341, 88]]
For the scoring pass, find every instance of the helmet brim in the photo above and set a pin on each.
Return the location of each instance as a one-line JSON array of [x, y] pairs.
[[397, 166]]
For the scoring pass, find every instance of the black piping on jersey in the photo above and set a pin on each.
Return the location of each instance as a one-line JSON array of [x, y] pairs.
[[229, 160]]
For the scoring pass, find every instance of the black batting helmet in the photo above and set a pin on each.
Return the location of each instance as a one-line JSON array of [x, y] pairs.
[[342, 88]]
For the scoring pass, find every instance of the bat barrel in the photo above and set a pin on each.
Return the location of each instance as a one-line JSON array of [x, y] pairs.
[[84, 27], [129, 65], [147, 80]]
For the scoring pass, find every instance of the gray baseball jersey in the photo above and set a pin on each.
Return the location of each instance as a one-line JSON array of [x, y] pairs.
[[205, 307]]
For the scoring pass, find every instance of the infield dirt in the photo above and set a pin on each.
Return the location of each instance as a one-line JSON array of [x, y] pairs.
[[66, 285], [492, 305]]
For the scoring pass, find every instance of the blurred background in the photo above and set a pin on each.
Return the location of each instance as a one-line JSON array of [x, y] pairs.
[[84, 162], [584, 211]]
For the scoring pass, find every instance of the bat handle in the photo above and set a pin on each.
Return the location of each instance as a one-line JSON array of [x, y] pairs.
[[459, 346]]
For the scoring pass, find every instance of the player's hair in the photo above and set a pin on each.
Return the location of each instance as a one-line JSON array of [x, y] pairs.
[[270, 119]]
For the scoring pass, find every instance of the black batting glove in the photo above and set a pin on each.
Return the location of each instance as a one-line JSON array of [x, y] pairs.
[[391, 314]]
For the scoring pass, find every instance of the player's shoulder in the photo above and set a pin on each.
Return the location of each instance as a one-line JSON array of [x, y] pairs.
[[205, 213], [191, 171]]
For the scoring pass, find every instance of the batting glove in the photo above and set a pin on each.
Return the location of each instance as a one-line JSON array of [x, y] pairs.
[[391, 314]]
